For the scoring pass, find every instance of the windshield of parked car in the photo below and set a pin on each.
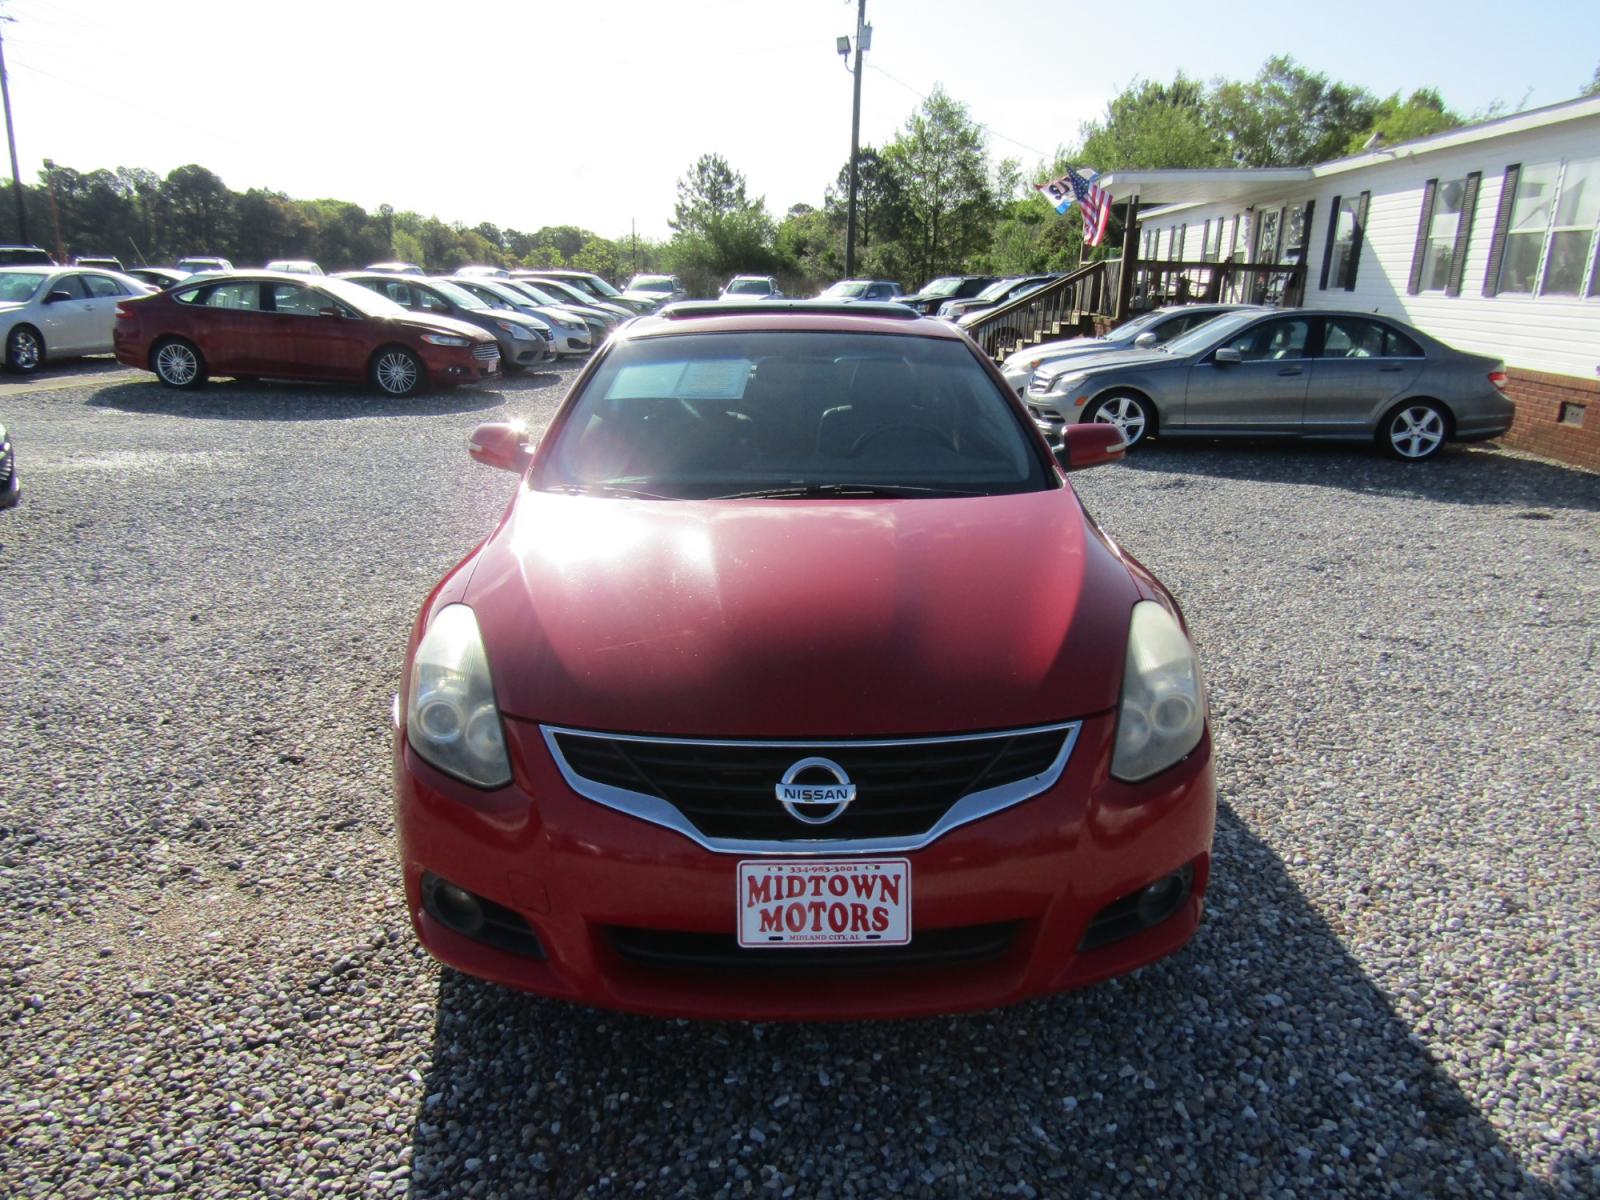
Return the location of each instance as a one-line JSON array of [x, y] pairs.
[[791, 414], [1209, 332], [600, 286], [846, 288], [457, 295], [535, 294], [363, 300], [998, 288], [949, 285], [650, 283], [749, 287], [16, 287]]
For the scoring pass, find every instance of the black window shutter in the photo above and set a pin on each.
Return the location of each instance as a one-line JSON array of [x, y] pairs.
[[1420, 251], [1327, 247], [1469, 210], [1502, 222], [1357, 236]]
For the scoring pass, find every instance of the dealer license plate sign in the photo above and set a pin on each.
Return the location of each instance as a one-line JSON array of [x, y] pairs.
[[824, 902]]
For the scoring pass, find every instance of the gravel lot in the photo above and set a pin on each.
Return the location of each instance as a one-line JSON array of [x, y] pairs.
[[210, 985]]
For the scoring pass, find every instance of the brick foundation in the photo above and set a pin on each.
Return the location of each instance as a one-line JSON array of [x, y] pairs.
[[1538, 427]]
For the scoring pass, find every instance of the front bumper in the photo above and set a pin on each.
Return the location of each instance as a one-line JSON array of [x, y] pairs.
[[572, 341], [592, 885]]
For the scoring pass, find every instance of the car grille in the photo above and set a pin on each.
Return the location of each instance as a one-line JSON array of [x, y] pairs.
[[7, 464], [722, 952], [485, 352], [724, 793]]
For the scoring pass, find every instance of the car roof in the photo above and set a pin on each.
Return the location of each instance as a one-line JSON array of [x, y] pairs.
[[787, 316]]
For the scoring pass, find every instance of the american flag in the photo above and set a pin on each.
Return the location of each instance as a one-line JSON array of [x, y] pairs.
[[1093, 202]]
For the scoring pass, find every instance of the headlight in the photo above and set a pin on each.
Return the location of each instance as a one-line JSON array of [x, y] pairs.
[[1163, 711], [1067, 383], [445, 339], [516, 331], [451, 718]]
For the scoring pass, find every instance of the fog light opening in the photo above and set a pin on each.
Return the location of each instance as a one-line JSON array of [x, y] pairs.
[[457, 908], [1161, 899]]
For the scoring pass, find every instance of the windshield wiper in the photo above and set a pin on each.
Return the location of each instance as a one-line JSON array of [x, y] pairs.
[[806, 491]]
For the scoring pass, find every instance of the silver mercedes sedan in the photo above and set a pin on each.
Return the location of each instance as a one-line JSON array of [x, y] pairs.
[[1311, 373]]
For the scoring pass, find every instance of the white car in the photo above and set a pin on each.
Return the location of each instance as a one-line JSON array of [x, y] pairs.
[[195, 265], [48, 313], [295, 266], [752, 287], [658, 289]]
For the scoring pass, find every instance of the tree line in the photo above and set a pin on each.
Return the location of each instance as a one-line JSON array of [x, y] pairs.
[[930, 201]]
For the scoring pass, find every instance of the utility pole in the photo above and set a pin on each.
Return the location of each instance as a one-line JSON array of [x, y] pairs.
[[11, 139], [855, 143]]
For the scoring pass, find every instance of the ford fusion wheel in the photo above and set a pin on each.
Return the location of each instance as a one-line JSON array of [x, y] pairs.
[[1130, 414], [24, 351], [178, 364], [1415, 431], [397, 372]]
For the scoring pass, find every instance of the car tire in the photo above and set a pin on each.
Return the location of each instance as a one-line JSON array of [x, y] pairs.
[[1415, 431], [178, 363], [1132, 414], [397, 372], [24, 350]]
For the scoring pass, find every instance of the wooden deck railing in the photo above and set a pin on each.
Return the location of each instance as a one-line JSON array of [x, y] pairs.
[[1058, 309], [1156, 283]]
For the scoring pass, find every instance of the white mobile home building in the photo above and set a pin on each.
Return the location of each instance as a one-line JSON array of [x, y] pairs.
[[1487, 237]]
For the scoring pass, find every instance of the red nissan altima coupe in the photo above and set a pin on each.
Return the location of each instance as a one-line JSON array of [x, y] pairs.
[[248, 324], [796, 683]]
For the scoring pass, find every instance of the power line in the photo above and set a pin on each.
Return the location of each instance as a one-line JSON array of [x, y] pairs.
[[989, 129]]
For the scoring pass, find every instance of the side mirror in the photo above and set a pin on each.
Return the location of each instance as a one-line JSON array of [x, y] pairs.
[[57, 296], [1084, 446], [502, 444], [1146, 341], [1227, 355]]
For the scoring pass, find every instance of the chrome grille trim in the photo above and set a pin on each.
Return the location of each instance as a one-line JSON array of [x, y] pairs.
[[969, 808], [485, 352]]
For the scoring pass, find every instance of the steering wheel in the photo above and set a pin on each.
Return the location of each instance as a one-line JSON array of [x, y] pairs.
[[926, 432]]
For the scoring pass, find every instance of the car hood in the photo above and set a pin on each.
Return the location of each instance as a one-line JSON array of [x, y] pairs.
[[1104, 358], [807, 618], [433, 324]]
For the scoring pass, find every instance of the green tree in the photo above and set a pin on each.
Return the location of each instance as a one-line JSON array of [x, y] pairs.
[[1289, 116], [1396, 121], [198, 210], [881, 213], [940, 161], [1594, 85], [1151, 125], [718, 229]]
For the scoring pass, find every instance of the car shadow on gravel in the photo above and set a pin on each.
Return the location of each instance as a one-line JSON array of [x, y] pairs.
[[230, 400], [1476, 474], [1261, 1060]]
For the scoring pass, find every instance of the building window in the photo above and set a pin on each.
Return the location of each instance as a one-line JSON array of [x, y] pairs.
[[1439, 246], [1342, 254], [1213, 246], [1175, 250], [1548, 243]]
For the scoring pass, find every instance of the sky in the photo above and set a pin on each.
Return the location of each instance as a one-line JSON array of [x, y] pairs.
[[528, 113]]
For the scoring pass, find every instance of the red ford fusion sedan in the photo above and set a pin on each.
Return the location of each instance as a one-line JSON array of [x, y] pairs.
[[248, 324], [796, 683]]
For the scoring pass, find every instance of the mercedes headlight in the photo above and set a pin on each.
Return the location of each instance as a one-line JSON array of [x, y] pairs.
[[1068, 383], [1163, 711], [451, 718]]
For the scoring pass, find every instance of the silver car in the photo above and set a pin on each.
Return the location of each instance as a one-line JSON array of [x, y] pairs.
[[48, 313], [1145, 332], [1307, 373], [569, 329]]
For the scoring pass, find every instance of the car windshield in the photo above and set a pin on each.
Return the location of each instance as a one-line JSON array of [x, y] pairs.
[[949, 285], [457, 295], [847, 288], [1132, 329], [791, 414], [534, 293], [650, 283], [1206, 334], [600, 286], [998, 288], [749, 287], [363, 300], [18, 286]]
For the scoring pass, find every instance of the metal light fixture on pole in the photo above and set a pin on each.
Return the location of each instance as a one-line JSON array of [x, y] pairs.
[[863, 41], [11, 140]]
